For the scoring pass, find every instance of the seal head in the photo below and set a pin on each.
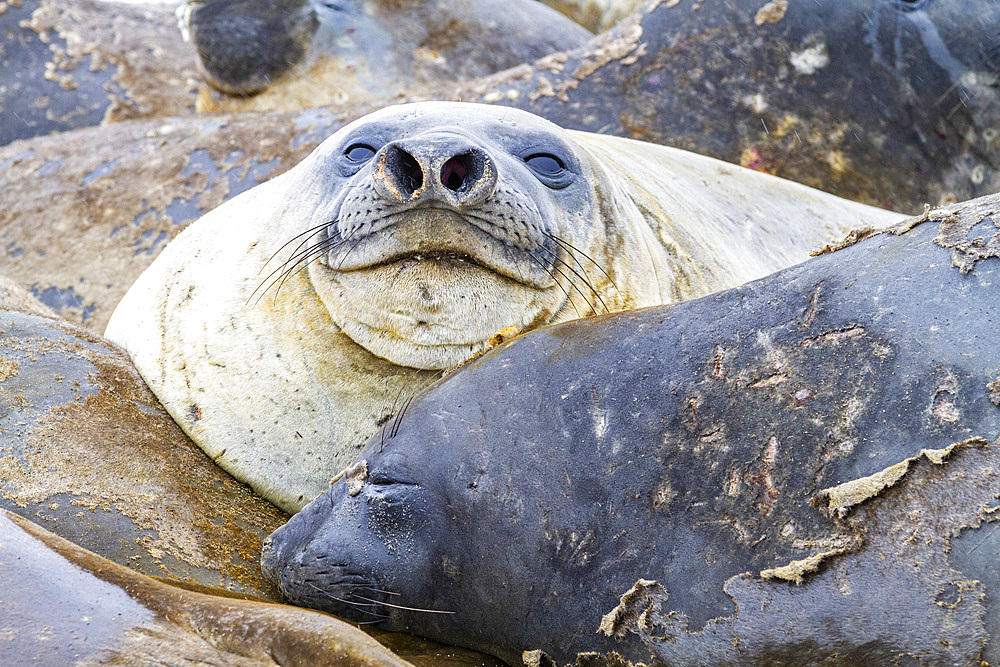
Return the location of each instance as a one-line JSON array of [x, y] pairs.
[[441, 236]]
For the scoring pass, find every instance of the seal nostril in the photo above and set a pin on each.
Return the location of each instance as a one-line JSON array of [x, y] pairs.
[[454, 172], [404, 169]]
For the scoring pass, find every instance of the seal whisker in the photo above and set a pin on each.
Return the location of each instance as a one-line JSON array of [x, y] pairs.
[[395, 402], [564, 290], [356, 243], [305, 258], [292, 240], [316, 249], [573, 249], [399, 416], [399, 606], [561, 288], [359, 606], [284, 268], [371, 588], [585, 278]]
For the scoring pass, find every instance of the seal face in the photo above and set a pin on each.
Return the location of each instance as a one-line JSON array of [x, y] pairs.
[[285, 327], [443, 234]]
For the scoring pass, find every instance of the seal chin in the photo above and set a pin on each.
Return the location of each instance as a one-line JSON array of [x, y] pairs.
[[430, 311], [430, 315]]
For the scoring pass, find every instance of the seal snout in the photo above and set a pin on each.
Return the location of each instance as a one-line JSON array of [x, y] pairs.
[[441, 169]]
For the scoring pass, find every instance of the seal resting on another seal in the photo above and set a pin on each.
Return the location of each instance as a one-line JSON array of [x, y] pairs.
[[425, 229], [801, 470]]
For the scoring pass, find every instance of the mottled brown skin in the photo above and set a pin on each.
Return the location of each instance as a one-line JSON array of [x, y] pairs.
[[88, 452], [77, 63], [66, 605]]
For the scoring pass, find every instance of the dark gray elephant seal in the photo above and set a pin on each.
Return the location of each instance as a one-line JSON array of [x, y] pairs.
[[294, 54], [798, 470]]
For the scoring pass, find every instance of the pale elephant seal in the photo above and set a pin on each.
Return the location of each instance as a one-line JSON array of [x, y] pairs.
[[284, 327], [801, 470], [294, 54]]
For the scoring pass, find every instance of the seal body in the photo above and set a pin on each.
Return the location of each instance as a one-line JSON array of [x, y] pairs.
[[774, 86], [88, 450], [79, 63], [307, 53], [802, 468], [283, 328], [65, 605]]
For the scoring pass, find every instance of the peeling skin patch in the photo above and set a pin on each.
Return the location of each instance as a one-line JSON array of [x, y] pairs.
[[994, 392], [612, 48], [633, 608], [838, 500], [972, 239], [810, 60], [772, 12], [834, 336], [852, 237], [8, 368], [797, 569], [355, 477]]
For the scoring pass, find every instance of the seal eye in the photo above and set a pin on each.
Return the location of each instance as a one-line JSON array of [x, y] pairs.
[[545, 164], [909, 5], [359, 153]]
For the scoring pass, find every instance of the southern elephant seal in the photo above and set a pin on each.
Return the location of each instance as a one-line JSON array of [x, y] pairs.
[[284, 327], [62, 605], [293, 54], [799, 470]]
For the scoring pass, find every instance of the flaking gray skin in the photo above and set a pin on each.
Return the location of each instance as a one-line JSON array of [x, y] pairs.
[[510, 505]]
